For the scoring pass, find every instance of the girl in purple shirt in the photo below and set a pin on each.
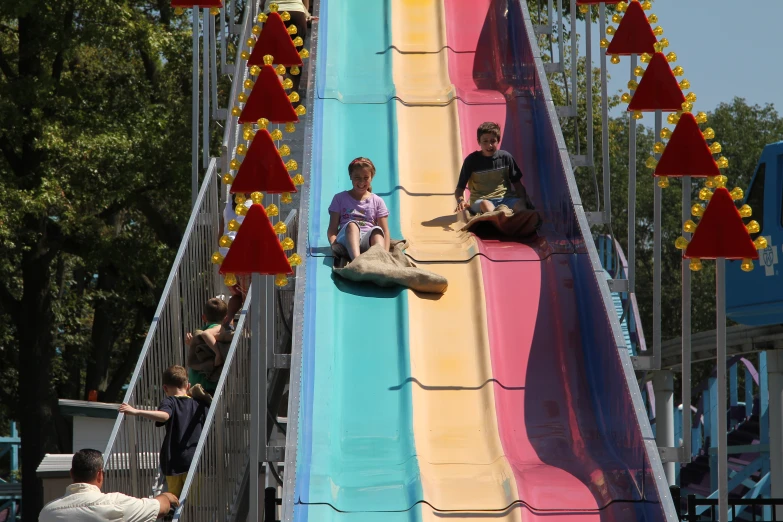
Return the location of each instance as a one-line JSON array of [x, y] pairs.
[[358, 219]]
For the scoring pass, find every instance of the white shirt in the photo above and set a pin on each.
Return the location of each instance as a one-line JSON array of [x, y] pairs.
[[287, 5], [86, 503]]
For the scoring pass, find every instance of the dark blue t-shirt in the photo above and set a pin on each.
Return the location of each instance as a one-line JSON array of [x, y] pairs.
[[183, 429]]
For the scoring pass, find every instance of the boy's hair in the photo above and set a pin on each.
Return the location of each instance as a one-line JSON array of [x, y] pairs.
[[362, 163], [488, 127], [215, 310], [85, 465], [175, 376]]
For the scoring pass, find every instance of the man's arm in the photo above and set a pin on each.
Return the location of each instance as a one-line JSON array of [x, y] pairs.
[[153, 415], [521, 192], [167, 501]]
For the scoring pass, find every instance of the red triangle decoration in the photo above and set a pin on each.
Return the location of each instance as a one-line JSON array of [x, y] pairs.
[[275, 40], [191, 3], [634, 34], [687, 153], [263, 169], [721, 232], [256, 249], [268, 100], [658, 89]]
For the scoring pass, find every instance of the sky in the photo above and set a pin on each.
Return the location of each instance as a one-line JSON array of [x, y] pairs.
[[725, 52]]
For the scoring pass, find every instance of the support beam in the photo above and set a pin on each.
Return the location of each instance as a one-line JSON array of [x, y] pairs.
[[775, 368], [194, 113], [257, 406], [663, 382], [686, 326], [723, 461]]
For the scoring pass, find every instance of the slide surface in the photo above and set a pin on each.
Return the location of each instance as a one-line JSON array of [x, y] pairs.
[[506, 397]]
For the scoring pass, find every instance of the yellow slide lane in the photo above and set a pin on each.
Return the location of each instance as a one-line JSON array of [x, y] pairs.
[[455, 424]]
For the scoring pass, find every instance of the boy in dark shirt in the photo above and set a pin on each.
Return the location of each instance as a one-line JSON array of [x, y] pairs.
[[490, 174], [183, 418]]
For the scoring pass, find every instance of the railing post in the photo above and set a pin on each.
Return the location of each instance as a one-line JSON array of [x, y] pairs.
[[691, 514], [723, 472], [257, 395]]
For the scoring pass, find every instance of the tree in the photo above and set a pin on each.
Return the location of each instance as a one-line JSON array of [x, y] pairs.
[[94, 177]]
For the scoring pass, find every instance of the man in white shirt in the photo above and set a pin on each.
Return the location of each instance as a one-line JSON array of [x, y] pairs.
[[84, 502]]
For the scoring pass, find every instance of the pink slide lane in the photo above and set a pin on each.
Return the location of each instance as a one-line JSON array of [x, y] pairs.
[[547, 424]]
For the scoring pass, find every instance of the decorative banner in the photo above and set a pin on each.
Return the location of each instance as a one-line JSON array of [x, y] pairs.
[[687, 153], [256, 249], [658, 89], [268, 100], [634, 35], [721, 232], [263, 169], [275, 40]]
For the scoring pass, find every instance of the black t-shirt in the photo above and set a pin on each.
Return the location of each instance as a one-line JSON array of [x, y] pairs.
[[183, 429], [488, 177]]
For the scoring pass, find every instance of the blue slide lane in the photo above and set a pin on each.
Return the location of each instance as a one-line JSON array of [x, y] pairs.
[[356, 453]]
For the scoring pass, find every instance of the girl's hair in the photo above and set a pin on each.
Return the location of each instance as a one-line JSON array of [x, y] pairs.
[[362, 163]]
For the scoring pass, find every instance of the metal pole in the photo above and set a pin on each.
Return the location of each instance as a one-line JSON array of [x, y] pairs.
[[205, 79], [775, 381], [194, 116], [223, 38], [632, 195], [213, 63], [723, 472], [657, 197], [589, 89], [257, 389], [605, 123], [663, 381], [573, 63], [686, 328], [560, 41]]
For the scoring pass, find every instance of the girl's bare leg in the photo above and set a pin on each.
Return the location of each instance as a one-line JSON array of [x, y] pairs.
[[486, 206], [352, 237], [376, 238]]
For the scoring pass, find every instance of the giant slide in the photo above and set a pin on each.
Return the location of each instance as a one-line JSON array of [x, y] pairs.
[[511, 397]]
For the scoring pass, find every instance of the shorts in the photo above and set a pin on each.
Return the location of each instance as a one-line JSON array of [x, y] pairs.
[[505, 200], [364, 240], [175, 483]]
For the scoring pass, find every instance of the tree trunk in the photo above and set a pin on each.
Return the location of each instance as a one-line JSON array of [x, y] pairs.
[[103, 334]]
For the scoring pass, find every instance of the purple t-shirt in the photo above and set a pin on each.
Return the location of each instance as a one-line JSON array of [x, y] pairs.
[[366, 212]]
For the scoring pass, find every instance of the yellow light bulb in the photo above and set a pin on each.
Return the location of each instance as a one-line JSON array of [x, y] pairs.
[[256, 30], [658, 47], [250, 42], [671, 57], [280, 69], [760, 243], [695, 264], [261, 18], [658, 147], [280, 227], [281, 279], [248, 135], [689, 226], [233, 225], [633, 85], [236, 111], [709, 182], [685, 84], [637, 115], [616, 18], [273, 7], [584, 9], [658, 31], [294, 97], [290, 127], [651, 162], [638, 70], [257, 197], [269, 59], [747, 265], [737, 194], [708, 133], [178, 11], [645, 58], [292, 29], [298, 42], [276, 135], [672, 118], [241, 149], [745, 211], [697, 210], [214, 11], [715, 147], [225, 241], [254, 70], [272, 210], [665, 42], [701, 117], [286, 16], [230, 280], [234, 165], [247, 126], [691, 97], [263, 123], [240, 210], [304, 54], [721, 180], [239, 199], [216, 258], [678, 71], [621, 6], [604, 43], [666, 133], [286, 198], [248, 84], [295, 260], [294, 70], [284, 150], [288, 83], [301, 110], [625, 98], [291, 165], [242, 98], [298, 180], [663, 182], [287, 244], [753, 226], [647, 5], [681, 243], [705, 194], [228, 179], [723, 162], [653, 19], [687, 106]]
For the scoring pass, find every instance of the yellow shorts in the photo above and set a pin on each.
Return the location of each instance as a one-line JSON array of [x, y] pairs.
[[175, 484]]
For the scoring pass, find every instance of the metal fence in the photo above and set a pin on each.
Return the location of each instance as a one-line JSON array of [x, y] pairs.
[[132, 452]]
